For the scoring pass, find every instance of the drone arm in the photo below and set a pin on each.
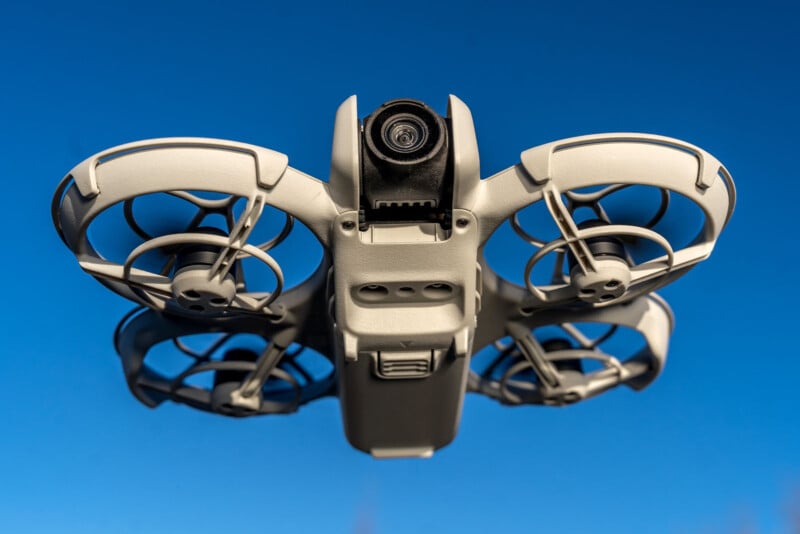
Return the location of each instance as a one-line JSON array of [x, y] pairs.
[[502, 195], [307, 199]]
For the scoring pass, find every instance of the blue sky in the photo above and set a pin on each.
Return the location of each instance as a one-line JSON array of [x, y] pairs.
[[711, 447]]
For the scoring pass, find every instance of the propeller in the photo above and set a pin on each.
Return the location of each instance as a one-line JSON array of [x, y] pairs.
[[180, 225], [609, 217], [236, 369], [560, 358]]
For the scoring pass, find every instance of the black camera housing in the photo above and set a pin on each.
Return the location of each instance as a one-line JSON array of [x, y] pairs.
[[406, 165]]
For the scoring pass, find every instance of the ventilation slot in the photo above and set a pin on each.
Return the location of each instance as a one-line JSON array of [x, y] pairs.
[[431, 203]]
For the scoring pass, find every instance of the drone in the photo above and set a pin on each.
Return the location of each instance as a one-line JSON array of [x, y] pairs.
[[404, 314]]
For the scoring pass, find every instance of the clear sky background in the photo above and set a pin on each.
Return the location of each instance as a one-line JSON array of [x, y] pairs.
[[713, 446]]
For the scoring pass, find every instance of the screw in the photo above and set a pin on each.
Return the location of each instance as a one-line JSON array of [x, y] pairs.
[[348, 225], [461, 223]]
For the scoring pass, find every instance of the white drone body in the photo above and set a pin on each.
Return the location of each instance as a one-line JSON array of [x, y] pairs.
[[403, 297]]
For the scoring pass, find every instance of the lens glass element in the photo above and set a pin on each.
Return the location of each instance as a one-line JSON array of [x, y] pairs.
[[404, 133]]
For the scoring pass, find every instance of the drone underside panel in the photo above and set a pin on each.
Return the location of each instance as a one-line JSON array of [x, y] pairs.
[[412, 300]]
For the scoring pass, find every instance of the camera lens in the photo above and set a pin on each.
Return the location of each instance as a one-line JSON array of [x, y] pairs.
[[404, 133]]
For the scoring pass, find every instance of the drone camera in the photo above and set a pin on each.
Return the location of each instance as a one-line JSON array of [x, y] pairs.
[[405, 172]]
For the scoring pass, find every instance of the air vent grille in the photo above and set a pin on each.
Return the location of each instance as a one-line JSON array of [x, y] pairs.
[[429, 203]]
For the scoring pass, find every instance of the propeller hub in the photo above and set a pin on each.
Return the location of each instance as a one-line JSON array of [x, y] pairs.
[[196, 290], [610, 275], [608, 282], [227, 399]]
